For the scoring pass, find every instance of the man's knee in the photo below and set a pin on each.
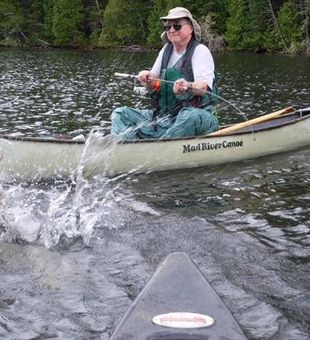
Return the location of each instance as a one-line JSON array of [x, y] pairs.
[[190, 114], [201, 121], [120, 111]]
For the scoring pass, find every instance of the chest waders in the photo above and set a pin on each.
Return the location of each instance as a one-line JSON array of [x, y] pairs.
[[166, 102]]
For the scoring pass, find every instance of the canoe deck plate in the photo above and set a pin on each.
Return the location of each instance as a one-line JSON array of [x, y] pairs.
[[183, 320]]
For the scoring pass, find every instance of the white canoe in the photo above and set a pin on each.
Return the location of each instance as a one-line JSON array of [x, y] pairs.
[[31, 157]]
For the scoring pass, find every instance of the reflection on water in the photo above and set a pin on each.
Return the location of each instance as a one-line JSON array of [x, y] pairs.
[[76, 251]]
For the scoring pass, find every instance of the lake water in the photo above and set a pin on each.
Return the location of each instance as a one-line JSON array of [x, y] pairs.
[[77, 251]]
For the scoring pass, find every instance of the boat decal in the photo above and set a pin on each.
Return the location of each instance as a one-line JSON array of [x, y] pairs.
[[183, 320], [212, 146]]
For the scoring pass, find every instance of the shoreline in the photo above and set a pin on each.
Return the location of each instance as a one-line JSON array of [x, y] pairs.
[[142, 49]]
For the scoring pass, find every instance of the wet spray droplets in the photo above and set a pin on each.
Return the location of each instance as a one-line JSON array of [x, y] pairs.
[[69, 210]]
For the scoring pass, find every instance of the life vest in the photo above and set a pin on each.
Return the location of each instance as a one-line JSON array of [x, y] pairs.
[[165, 99]]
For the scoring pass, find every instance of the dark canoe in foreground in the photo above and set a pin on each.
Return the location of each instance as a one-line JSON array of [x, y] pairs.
[[185, 304]]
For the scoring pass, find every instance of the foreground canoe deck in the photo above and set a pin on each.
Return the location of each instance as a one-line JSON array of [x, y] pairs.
[[31, 157], [176, 290]]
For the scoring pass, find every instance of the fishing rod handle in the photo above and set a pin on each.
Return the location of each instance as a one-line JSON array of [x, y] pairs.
[[125, 75]]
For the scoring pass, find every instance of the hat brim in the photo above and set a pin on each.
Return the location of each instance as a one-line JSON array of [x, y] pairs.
[[173, 17]]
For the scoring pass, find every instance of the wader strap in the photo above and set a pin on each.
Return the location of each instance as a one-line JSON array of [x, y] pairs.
[[185, 66]]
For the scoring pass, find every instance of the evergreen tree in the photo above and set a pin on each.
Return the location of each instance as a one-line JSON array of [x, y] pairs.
[[155, 25], [218, 10], [305, 10], [254, 36], [274, 33], [124, 23], [68, 18], [11, 19], [93, 22], [174, 3], [286, 32], [47, 30], [289, 20], [197, 8], [33, 14], [245, 24], [237, 23]]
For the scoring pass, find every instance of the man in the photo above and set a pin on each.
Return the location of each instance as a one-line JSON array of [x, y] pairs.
[[183, 101]]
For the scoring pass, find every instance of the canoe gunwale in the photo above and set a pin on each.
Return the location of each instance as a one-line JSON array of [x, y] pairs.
[[40, 140], [291, 118], [248, 130]]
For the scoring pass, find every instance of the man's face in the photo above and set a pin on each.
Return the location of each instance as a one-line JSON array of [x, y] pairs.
[[178, 30]]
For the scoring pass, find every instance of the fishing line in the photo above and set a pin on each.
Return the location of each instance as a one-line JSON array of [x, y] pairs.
[[134, 77]]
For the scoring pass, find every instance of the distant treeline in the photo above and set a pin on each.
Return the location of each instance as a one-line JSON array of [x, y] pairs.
[[255, 25]]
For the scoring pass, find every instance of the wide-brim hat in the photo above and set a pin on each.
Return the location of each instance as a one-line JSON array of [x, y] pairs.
[[178, 13]]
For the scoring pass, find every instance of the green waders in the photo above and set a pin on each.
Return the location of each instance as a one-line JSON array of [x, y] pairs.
[[176, 115]]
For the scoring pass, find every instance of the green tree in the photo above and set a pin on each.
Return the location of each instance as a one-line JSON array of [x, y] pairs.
[[68, 16], [257, 24], [289, 20], [198, 8], [32, 27], [124, 23], [174, 3], [305, 10], [247, 24], [237, 23], [154, 23], [218, 10], [274, 34], [93, 21], [286, 32], [48, 13], [11, 19]]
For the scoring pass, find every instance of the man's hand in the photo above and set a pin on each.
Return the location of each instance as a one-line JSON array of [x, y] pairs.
[[180, 86], [197, 88], [146, 78]]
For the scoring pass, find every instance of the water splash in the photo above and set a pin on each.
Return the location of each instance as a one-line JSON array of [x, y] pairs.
[[3, 218], [61, 214], [83, 204]]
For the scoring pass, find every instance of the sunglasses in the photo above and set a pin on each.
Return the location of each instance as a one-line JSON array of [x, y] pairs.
[[176, 27]]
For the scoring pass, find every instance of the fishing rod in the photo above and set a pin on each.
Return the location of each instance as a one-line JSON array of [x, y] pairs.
[[157, 83]]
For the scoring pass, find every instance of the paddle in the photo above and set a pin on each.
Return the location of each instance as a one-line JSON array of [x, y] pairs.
[[251, 122]]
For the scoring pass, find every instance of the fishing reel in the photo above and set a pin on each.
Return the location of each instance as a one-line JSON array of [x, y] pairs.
[[142, 91]]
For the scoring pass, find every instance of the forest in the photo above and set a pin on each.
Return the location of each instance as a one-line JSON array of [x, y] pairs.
[[281, 26]]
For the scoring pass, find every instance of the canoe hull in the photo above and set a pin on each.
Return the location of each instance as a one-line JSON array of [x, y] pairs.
[[189, 153], [283, 134], [37, 157]]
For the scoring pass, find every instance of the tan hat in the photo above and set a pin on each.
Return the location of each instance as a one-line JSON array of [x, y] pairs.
[[178, 13]]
